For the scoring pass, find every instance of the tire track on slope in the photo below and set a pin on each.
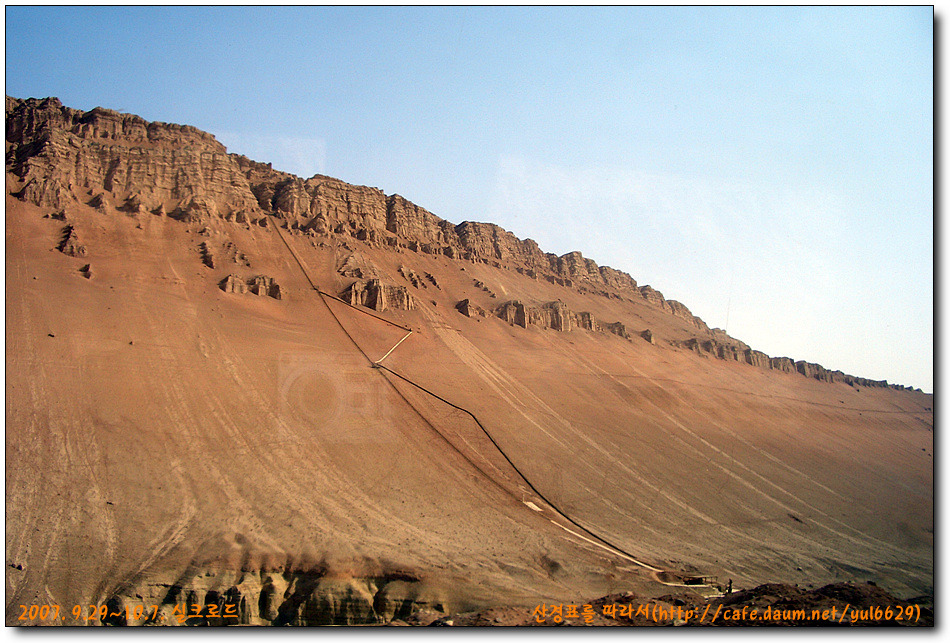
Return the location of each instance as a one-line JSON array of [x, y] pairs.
[[170, 537], [257, 449], [611, 548], [490, 479], [20, 547], [162, 380], [345, 501], [514, 393], [483, 365], [60, 436], [867, 540], [617, 551], [485, 368], [300, 481], [770, 396]]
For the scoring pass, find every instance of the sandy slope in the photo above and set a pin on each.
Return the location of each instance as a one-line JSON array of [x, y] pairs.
[[168, 432]]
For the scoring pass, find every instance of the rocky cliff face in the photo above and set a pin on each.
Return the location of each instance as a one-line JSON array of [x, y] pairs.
[[58, 157], [712, 348], [756, 358], [411, 223], [111, 160], [279, 597], [784, 364]]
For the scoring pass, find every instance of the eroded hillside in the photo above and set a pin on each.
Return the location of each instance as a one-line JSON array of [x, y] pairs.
[[190, 421]]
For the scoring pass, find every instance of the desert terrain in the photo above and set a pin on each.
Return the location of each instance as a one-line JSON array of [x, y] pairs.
[[196, 412]]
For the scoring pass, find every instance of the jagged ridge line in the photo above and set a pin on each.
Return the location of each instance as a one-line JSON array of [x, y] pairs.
[[378, 365], [29, 121]]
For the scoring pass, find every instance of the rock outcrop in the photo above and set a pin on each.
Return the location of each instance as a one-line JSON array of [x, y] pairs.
[[408, 221], [816, 371], [513, 312], [491, 244], [69, 243], [260, 285], [617, 328], [233, 283], [739, 352], [98, 202], [357, 266], [207, 256], [232, 254], [120, 161], [60, 155], [265, 286], [414, 278], [652, 296], [59, 215], [756, 358], [586, 321], [558, 316], [469, 309], [307, 597], [481, 286], [784, 364], [681, 311], [574, 266], [860, 381], [378, 296], [554, 315], [712, 348]]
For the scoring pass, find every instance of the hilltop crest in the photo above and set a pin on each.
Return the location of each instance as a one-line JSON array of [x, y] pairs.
[[58, 156]]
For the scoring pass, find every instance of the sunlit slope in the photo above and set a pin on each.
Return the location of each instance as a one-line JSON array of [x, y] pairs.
[[691, 462], [160, 430], [745, 478], [169, 431]]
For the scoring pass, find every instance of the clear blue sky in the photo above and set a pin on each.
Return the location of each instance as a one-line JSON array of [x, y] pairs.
[[771, 168]]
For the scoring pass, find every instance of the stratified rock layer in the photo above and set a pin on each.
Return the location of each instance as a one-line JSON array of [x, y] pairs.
[[554, 315], [58, 156], [61, 155], [260, 285], [378, 296]]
